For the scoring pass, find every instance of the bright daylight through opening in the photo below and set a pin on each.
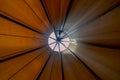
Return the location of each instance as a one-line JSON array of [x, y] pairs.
[[56, 43]]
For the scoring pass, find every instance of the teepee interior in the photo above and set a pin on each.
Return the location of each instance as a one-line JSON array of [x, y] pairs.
[[59, 39]]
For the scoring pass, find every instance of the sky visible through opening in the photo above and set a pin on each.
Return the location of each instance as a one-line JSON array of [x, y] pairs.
[[57, 45]]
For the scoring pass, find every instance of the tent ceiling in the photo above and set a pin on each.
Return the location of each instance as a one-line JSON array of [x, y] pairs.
[[93, 28]]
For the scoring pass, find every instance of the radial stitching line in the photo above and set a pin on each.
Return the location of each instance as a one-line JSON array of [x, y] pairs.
[[24, 66], [52, 64], [15, 53], [92, 20], [19, 36], [52, 25], [66, 16], [5, 17], [61, 62], [99, 34], [9, 58], [90, 70], [33, 11], [101, 45], [43, 67]]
